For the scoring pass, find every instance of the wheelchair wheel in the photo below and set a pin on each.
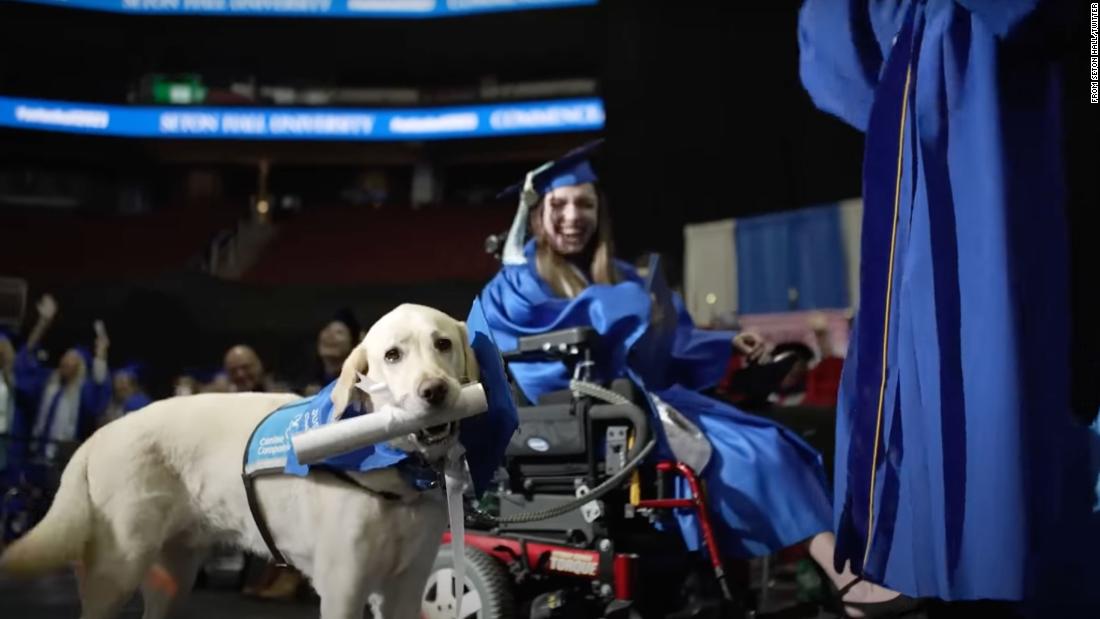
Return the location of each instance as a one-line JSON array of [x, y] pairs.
[[487, 593]]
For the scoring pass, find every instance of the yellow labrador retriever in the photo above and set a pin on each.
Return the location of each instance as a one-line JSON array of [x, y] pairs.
[[145, 498]]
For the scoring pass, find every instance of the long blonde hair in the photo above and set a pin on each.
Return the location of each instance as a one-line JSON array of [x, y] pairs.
[[556, 271]]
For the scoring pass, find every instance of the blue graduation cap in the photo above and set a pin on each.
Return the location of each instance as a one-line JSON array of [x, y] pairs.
[[572, 168], [134, 370], [8, 333], [85, 354]]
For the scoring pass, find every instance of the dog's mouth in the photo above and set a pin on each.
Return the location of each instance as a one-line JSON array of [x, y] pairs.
[[434, 435]]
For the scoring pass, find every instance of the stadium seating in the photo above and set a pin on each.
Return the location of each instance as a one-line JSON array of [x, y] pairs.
[[344, 246]]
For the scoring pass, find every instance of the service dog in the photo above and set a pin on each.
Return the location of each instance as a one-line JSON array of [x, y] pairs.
[[147, 496]]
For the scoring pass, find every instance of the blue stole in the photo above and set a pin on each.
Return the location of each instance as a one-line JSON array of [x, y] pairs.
[[51, 412]]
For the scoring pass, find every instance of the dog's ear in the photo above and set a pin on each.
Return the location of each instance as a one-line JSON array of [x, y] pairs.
[[471, 372], [345, 388]]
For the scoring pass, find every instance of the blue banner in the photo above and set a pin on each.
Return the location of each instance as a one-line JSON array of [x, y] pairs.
[[266, 123], [405, 9]]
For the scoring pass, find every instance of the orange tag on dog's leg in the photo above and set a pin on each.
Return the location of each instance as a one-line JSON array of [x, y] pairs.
[[159, 579]]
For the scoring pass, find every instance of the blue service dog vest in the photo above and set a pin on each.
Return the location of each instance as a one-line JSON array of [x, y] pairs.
[[271, 452], [484, 437], [270, 449]]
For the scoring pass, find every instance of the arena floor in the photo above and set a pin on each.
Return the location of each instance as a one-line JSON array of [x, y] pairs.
[[55, 598]]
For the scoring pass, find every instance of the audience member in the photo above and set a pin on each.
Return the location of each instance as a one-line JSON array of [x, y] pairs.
[[7, 394], [244, 369], [185, 384], [334, 343], [127, 394], [74, 397], [22, 381], [245, 372]]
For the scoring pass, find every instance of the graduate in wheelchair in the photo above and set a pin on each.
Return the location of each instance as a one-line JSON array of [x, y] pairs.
[[569, 309]]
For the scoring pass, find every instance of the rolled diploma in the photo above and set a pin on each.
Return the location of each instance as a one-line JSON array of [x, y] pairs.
[[387, 423]]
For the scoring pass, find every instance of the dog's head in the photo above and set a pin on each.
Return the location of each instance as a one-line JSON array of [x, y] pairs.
[[424, 357]]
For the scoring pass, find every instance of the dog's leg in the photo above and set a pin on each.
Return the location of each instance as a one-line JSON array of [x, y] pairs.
[[404, 592], [342, 596], [341, 580], [129, 531], [170, 579], [108, 581]]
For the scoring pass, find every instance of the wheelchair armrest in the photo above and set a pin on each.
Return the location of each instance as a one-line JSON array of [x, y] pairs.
[[553, 344]]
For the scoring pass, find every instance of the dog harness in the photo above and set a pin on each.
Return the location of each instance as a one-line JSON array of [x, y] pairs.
[[270, 452], [477, 456]]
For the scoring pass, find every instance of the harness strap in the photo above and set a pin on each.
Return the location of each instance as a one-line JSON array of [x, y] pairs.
[[249, 477], [254, 502], [343, 476], [258, 514], [258, 517]]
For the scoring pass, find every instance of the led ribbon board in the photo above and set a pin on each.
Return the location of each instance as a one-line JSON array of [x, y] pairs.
[[293, 123], [394, 9]]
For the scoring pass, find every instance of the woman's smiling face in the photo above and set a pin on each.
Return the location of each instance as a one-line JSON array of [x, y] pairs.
[[569, 217]]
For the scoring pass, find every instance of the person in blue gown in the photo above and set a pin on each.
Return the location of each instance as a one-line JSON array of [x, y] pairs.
[[959, 469], [127, 393], [765, 486], [21, 383], [74, 397], [9, 421]]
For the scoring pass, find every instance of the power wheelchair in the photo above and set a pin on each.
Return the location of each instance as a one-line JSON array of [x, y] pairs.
[[618, 556]]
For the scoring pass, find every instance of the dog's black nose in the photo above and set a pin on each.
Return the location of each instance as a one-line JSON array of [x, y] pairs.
[[433, 391]]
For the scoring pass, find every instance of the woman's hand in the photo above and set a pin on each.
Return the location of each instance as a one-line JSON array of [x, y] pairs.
[[751, 345], [47, 311], [47, 308], [102, 342]]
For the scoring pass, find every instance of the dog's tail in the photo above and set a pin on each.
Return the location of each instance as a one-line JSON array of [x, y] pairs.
[[60, 538]]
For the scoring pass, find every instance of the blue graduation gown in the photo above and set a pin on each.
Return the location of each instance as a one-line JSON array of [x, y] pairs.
[[959, 470], [30, 380], [136, 401], [26, 391], [765, 486]]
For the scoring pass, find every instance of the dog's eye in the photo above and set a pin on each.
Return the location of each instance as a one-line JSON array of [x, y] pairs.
[[443, 344], [392, 355]]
